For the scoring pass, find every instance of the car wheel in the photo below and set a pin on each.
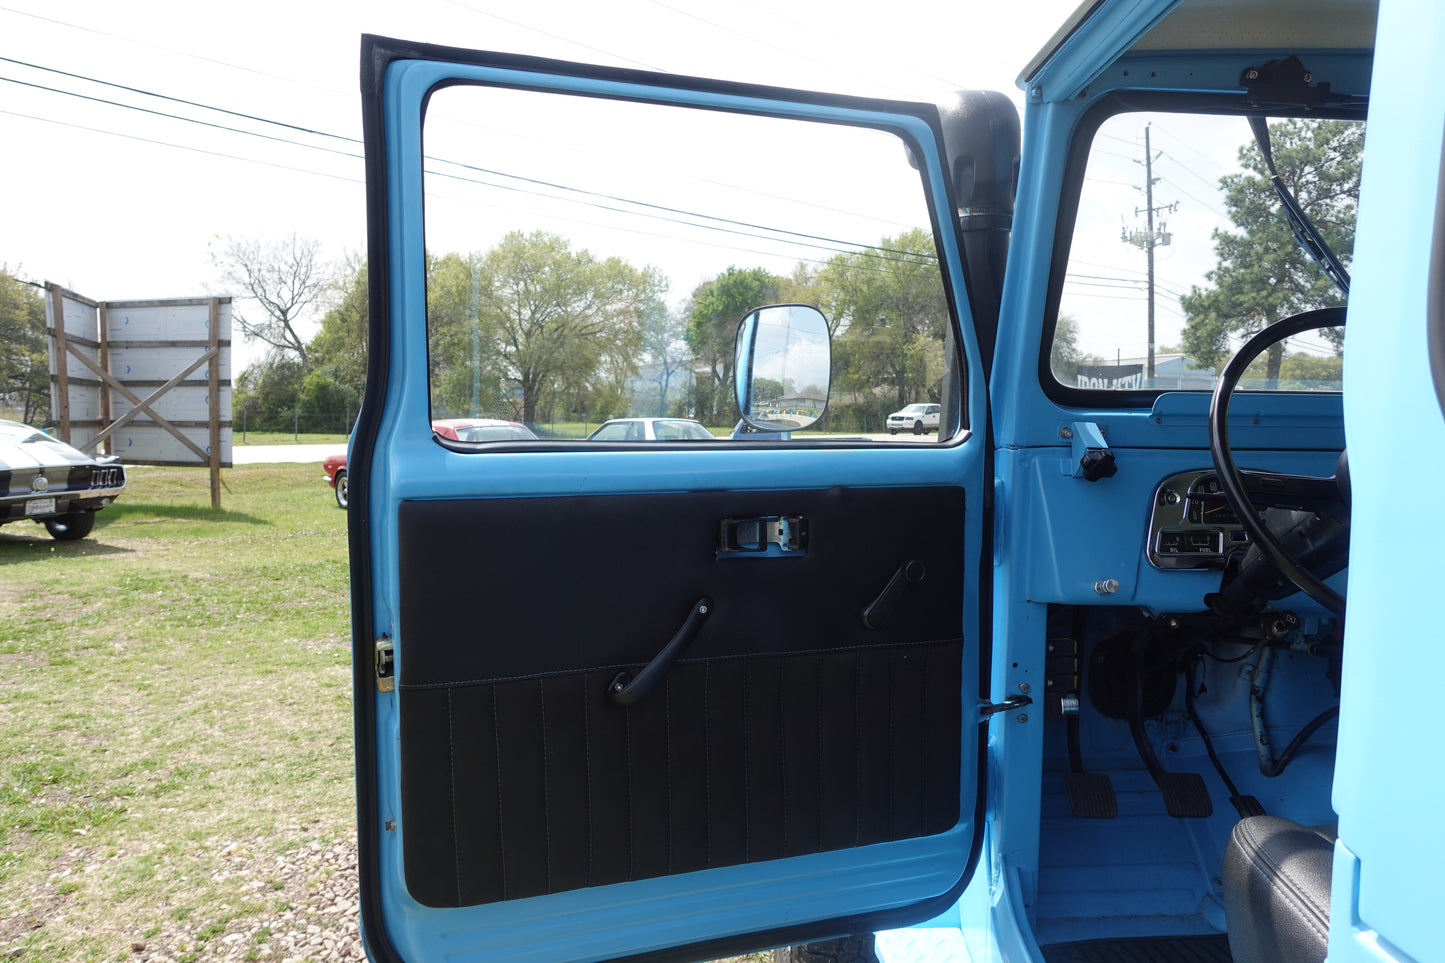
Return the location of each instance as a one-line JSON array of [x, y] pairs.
[[342, 490], [918, 427], [68, 528], [892, 431], [847, 949]]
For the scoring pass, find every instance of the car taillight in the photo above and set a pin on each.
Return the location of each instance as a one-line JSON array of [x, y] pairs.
[[104, 477]]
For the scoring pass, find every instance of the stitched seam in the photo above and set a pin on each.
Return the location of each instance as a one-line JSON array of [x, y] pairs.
[[1291, 891], [501, 822], [818, 740], [857, 754], [456, 836], [587, 772], [783, 750], [706, 772], [631, 804], [491, 680], [892, 749], [926, 797], [546, 796], [747, 798], [667, 745]]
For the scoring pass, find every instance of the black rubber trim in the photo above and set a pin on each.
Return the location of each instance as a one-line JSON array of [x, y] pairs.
[[374, 60]]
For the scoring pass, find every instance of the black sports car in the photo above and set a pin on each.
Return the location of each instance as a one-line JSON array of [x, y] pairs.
[[44, 480]]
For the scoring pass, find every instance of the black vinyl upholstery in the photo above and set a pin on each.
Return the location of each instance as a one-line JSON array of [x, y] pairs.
[[1277, 891], [787, 727]]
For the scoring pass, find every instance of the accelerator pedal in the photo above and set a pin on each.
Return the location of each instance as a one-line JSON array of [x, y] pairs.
[[1185, 794]]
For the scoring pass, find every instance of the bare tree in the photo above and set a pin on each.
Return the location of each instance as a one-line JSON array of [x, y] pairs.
[[286, 278]]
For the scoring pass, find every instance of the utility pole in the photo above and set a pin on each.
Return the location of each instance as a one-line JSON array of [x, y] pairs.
[[1149, 238]]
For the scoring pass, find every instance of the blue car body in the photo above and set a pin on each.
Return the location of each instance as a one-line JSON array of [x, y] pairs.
[[511, 806]]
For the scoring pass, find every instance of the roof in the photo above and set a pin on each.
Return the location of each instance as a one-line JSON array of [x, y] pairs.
[[1198, 25]]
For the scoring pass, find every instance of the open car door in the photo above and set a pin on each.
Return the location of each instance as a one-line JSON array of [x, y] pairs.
[[652, 698]]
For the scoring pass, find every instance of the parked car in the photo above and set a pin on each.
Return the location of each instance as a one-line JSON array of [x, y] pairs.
[[482, 429], [44, 480], [651, 429], [916, 418], [335, 468], [455, 429]]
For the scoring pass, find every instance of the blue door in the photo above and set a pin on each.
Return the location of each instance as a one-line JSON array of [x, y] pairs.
[[626, 689]]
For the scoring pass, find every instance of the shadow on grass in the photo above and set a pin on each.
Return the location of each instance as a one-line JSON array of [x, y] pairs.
[[192, 513], [17, 547]]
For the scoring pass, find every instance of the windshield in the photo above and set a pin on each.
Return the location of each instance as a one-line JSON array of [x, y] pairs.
[[1181, 251]]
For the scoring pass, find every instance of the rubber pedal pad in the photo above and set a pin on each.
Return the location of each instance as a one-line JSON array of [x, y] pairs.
[[1185, 795], [1091, 795]]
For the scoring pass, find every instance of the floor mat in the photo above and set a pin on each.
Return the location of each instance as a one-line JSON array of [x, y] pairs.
[[1148, 949]]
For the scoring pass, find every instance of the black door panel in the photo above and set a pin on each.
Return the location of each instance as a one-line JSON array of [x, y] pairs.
[[766, 739]]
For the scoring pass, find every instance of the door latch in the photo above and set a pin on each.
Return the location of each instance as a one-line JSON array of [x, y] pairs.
[[385, 668], [987, 709], [763, 535]]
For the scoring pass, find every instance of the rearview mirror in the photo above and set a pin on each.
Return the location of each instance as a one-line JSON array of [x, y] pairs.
[[782, 367]]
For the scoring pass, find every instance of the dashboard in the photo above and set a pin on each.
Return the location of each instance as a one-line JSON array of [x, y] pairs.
[[1191, 524]]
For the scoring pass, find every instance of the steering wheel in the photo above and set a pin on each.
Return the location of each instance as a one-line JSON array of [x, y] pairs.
[[1315, 538]]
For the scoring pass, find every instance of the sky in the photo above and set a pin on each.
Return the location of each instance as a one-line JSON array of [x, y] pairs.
[[119, 194]]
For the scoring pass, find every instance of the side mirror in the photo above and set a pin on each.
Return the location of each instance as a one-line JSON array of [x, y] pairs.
[[782, 366]]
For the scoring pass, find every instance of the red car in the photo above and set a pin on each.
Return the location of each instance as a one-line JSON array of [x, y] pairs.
[[456, 429]]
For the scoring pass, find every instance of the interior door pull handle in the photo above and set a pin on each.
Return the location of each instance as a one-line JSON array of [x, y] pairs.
[[627, 688], [879, 610]]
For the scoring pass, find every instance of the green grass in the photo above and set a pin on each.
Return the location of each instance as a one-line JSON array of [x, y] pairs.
[[284, 438], [175, 713], [173, 685]]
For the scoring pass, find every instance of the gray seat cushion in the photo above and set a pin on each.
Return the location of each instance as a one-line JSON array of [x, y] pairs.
[[1277, 891]]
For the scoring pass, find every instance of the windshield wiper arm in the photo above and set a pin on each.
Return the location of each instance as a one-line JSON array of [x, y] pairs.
[[1300, 225]]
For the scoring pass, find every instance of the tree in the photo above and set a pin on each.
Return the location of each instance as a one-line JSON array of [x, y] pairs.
[[664, 348], [889, 316], [1064, 354], [1263, 276], [24, 356], [285, 278], [559, 321], [712, 325], [338, 351]]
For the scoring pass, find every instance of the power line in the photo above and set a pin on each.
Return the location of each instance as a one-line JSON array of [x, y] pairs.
[[142, 43], [862, 247], [177, 100], [180, 117], [197, 150]]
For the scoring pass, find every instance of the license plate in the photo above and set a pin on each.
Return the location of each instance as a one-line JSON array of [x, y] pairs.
[[40, 506]]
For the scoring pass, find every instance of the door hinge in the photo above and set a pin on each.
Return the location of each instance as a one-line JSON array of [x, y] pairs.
[[987, 709], [385, 672]]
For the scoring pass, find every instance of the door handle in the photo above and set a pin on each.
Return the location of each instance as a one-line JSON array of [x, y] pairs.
[[626, 688]]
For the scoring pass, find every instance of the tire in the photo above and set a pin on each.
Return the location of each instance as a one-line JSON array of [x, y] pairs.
[[845, 949], [68, 528], [892, 431], [918, 427], [343, 490]]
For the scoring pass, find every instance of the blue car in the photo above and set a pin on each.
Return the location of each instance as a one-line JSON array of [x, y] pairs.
[[1101, 670]]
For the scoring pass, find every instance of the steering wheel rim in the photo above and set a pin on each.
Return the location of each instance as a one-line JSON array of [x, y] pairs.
[[1230, 478]]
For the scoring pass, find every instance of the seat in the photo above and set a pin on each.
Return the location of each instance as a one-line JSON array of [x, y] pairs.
[[1277, 891]]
